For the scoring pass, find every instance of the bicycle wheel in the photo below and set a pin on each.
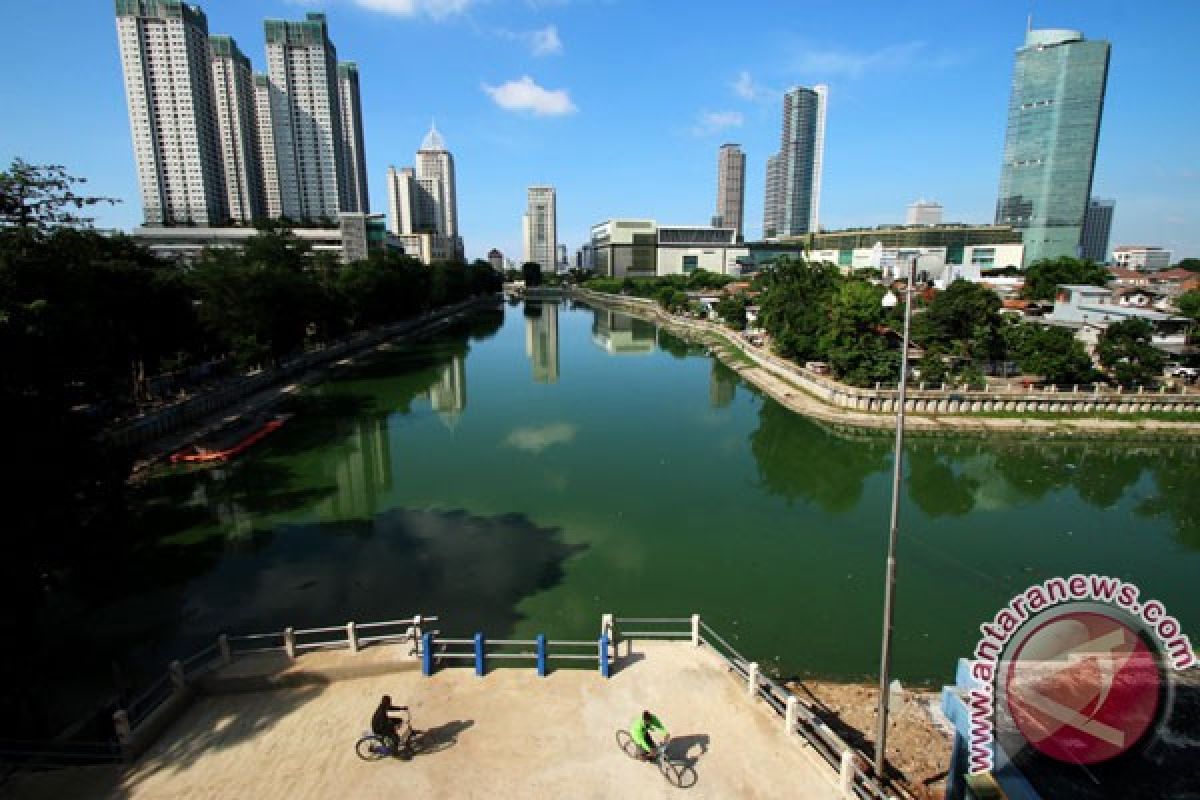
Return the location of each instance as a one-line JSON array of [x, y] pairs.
[[370, 748], [627, 744], [681, 776]]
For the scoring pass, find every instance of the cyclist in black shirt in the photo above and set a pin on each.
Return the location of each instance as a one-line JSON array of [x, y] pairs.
[[388, 727]]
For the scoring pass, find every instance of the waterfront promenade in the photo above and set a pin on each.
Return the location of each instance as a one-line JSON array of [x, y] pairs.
[[508, 734], [1041, 414]]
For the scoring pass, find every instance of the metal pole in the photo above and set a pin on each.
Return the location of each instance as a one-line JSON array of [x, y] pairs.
[[885, 657]]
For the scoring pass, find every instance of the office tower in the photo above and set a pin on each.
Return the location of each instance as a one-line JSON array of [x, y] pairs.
[[731, 188], [1050, 144], [540, 227], [771, 203], [355, 161], [1097, 226], [796, 203], [924, 212], [168, 88], [496, 259], [422, 202], [237, 123], [435, 174], [265, 133], [305, 113]]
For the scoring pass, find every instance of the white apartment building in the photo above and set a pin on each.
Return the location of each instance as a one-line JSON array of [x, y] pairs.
[[237, 124], [540, 227], [924, 212], [1141, 257], [265, 131], [355, 161], [305, 113], [168, 87]]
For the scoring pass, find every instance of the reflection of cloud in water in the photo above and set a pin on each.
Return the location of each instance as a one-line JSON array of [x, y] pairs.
[[537, 438]]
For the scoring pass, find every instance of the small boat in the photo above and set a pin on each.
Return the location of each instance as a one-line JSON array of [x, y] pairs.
[[230, 442]]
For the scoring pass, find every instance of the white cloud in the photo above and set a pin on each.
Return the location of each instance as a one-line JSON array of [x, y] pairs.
[[408, 8], [542, 42], [821, 63], [525, 95], [712, 122], [536, 439]]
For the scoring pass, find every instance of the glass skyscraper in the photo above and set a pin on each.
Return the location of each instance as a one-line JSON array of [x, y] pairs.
[[1050, 145], [793, 197]]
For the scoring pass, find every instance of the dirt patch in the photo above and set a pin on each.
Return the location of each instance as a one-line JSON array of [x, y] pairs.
[[918, 749]]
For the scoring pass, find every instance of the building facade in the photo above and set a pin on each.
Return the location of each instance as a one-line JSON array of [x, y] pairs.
[[540, 227], [976, 248], [794, 201], [1050, 145], [496, 260], [731, 188], [1097, 227], [355, 161], [306, 118], [265, 133], [641, 248], [1141, 257], [924, 212], [168, 88], [237, 125]]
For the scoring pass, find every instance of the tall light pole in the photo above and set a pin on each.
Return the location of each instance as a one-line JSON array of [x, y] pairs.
[[889, 591]]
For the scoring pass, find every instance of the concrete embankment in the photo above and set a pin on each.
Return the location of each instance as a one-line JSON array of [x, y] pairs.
[[156, 439], [791, 388]]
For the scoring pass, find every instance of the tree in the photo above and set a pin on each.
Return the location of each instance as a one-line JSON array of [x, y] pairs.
[[854, 342], [732, 309], [932, 366], [1188, 304], [1053, 353], [532, 272], [964, 319], [40, 198], [1043, 277], [1126, 348], [794, 307], [1190, 264]]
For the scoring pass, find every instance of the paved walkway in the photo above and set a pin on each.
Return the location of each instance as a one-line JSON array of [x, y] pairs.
[[508, 735]]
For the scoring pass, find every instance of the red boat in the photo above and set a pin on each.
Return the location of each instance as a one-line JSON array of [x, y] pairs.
[[231, 442]]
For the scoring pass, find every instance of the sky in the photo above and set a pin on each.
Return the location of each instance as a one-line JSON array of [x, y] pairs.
[[622, 104]]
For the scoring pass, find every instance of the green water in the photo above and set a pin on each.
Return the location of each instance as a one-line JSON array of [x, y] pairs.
[[530, 470]]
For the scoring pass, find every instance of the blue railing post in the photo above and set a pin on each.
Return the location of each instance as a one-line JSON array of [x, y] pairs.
[[480, 644], [605, 667], [427, 654], [540, 641]]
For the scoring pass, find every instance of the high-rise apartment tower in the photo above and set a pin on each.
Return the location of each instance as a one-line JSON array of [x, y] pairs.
[[731, 188], [168, 88], [793, 199]]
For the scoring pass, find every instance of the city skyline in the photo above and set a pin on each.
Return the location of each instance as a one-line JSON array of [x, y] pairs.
[[531, 109]]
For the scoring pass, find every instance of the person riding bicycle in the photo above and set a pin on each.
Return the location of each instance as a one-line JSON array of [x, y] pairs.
[[387, 727], [640, 732]]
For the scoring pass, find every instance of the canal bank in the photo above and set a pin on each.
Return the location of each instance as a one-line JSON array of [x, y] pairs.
[[1038, 415]]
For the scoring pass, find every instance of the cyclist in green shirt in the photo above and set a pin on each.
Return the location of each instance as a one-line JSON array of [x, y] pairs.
[[640, 731]]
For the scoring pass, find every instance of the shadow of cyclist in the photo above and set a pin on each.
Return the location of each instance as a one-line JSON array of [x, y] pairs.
[[688, 749]]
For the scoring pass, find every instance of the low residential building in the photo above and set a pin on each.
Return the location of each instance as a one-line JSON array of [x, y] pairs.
[[1141, 257], [1089, 310], [641, 248], [354, 237]]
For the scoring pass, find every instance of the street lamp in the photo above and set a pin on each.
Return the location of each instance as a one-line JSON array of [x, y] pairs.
[[889, 592]]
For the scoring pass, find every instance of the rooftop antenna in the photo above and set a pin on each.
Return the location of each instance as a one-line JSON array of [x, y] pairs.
[[1029, 22]]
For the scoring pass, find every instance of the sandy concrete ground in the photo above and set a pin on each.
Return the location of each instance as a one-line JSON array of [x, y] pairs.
[[508, 735]]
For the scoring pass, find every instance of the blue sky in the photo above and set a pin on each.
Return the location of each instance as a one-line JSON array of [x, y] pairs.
[[621, 104]]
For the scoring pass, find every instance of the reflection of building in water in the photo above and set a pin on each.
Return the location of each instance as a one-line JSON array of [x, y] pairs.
[[449, 395], [622, 334], [361, 472], [541, 343], [721, 385]]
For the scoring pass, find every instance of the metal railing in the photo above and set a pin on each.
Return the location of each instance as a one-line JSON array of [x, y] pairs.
[[798, 718]]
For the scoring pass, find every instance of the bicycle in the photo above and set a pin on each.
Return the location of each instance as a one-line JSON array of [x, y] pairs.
[[373, 747], [677, 773]]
